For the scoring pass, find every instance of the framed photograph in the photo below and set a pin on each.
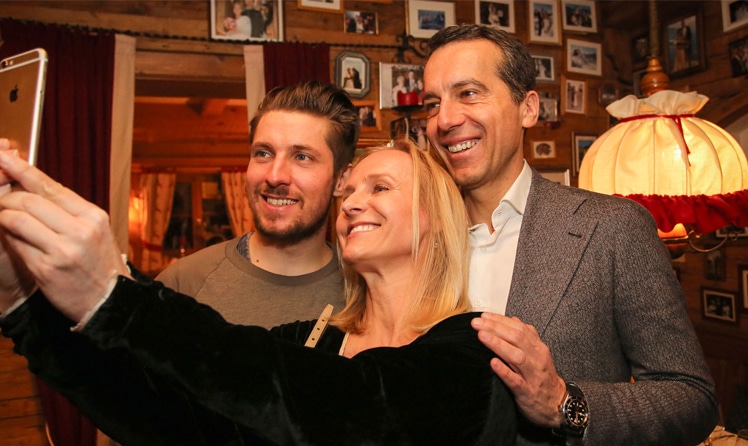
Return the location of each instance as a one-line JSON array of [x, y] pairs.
[[579, 15], [715, 265], [739, 57], [544, 68], [352, 73], [321, 5], [734, 14], [544, 149], [743, 279], [398, 78], [369, 114], [548, 109], [231, 20], [684, 50], [560, 176], [583, 57], [496, 13], [425, 18], [360, 22], [608, 94], [640, 50], [581, 143], [543, 24], [574, 96], [734, 232], [718, 305]]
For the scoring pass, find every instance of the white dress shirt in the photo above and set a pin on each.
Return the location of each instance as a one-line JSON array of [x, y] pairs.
[[492, 259]]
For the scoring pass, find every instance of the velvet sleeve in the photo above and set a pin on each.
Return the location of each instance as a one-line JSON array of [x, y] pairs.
[[438, 390]]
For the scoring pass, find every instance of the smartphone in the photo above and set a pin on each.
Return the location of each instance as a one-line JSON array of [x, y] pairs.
[[22, 82]]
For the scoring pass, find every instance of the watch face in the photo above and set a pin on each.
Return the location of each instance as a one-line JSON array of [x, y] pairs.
[[576, 412]]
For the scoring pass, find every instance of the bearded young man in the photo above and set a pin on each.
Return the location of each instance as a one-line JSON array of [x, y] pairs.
[[302, 140]]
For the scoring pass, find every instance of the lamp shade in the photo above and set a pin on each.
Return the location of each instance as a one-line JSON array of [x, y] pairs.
[[683, 169]]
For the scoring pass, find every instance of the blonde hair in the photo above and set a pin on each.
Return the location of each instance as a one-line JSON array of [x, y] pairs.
[[442, 261]]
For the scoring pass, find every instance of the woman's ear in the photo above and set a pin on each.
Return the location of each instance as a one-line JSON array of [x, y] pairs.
[[342, 180]]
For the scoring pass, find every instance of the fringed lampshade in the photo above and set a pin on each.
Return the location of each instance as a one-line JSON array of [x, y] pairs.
[[683, 169]]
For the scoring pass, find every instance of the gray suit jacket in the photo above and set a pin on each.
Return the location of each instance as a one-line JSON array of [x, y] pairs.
[[592, 276]]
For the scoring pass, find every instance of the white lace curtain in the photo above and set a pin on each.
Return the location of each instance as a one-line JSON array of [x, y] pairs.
[[157, 194], [240, 215]]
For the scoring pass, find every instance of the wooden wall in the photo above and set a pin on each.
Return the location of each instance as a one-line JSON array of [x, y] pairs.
[[176, 58]]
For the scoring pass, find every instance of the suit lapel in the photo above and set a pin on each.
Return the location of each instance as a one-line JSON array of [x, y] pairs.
[[552, 239]]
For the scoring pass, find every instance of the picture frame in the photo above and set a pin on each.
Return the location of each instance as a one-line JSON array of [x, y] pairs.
[[739, 57], [607, 94], [496, 13], [733, 233], [584, 57], [360, 22], [543, 150], [390, 82], [574, 96], [743, 282], [640, 51], [368, 112], [353, 73], [321, 5], [579, 15], [718, 305], [543, 22], [581, 143], [263, 24], [545, 70], [684, 52], [715, 265], [426, 17], [734, 14], [548, 109], [560, 176]]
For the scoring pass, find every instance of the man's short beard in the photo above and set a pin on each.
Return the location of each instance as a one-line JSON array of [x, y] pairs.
[[296, 233]]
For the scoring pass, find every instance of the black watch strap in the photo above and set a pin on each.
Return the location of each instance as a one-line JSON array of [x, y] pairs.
[[574, 411]]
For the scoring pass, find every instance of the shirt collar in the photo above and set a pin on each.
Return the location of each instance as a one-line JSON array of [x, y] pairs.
[[515, 198]]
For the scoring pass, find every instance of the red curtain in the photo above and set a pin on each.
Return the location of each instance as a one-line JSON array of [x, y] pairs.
[[74, 148], [290, 63]]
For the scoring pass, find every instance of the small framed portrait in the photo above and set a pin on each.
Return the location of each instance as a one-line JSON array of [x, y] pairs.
[[321, 5], [574, 96], [581, 144], [543, 24], [261, 20], [718, 305], [739, 57], [734, 14], [369, 114], [544, 68], [608, 94], [715, 265], [579, 15], [360, 22], [684, 50], [583, 57], [544, 149], [496, 13], [425, 18], [732, 232], [560, 176], [399, 78], [548, 109], [743, 279], [352, 73], [640, 51]]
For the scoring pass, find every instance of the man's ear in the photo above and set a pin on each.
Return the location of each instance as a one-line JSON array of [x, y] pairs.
[[530, 109], [342, 180]]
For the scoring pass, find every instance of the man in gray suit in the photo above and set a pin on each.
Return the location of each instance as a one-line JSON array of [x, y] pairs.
[[585, 312]]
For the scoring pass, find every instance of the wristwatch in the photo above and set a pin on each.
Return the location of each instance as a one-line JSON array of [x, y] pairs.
[[575, 412]]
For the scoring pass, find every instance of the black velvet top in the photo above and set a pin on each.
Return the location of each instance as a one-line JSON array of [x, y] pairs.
[[154, 367]]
